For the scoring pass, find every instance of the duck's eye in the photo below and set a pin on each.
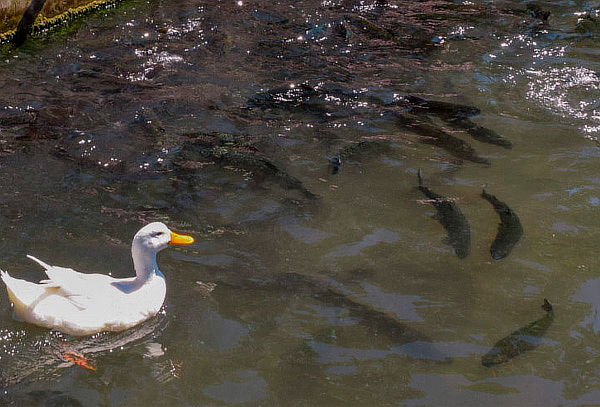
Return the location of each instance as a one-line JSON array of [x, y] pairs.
[[159, 233]]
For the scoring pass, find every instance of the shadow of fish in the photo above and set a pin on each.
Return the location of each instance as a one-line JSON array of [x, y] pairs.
[[320, 289], [509, 228], [325, 291], [452, 219], [521, 340]]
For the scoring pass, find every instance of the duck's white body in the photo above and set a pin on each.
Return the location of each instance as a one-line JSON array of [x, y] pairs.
[[82, 304]]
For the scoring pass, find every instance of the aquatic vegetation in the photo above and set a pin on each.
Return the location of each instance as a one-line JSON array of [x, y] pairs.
[[509, 228]]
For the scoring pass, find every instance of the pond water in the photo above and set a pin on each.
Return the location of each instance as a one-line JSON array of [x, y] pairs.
[[305, 287]]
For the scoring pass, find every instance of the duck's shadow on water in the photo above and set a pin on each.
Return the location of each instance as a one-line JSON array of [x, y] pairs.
[[30, 354]]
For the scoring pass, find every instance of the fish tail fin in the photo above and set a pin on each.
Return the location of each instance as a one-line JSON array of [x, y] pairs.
[[38, 261], [547, 306]]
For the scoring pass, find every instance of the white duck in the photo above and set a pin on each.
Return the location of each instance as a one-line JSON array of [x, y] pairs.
[[83, 304]]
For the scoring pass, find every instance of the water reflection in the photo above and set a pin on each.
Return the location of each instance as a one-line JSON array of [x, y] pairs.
[[588, 293]]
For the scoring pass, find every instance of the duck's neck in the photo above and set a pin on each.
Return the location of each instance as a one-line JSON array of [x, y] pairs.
[[144, 262]]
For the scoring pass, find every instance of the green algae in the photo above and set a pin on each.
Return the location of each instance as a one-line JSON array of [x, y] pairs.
[[44, 24]]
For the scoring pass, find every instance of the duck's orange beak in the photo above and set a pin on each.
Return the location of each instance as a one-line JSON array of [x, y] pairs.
[[180, 239]]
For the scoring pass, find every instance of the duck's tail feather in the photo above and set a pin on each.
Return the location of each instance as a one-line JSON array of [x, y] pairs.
[[38, 261], [6, 279], [21, 293]]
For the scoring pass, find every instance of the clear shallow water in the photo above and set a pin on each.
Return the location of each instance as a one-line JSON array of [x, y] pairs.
[[116, 97]]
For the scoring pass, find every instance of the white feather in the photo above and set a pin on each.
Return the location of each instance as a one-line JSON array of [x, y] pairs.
[[82, 304]]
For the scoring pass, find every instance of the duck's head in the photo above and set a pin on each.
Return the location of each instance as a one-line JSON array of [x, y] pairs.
[[157, 236]]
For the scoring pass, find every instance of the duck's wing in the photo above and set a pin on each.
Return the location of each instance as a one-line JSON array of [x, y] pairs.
[[77, 287]]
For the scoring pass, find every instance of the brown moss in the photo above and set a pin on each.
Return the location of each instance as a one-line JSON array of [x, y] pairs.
[[54, 13]]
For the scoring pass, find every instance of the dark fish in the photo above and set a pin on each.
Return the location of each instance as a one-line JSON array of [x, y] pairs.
[[324, 101], [372, 29], [264, 168], [358, 151], [452, 219], [327, 292], [230, 150], [439, 108], [521, 340], [9, 118], [335, 163], [269, 18], [435, 136], [457, 116], [38, 398], [537, 12], [285, 95], [476, 131], [54, 398], [509, 228], [301, 98]]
